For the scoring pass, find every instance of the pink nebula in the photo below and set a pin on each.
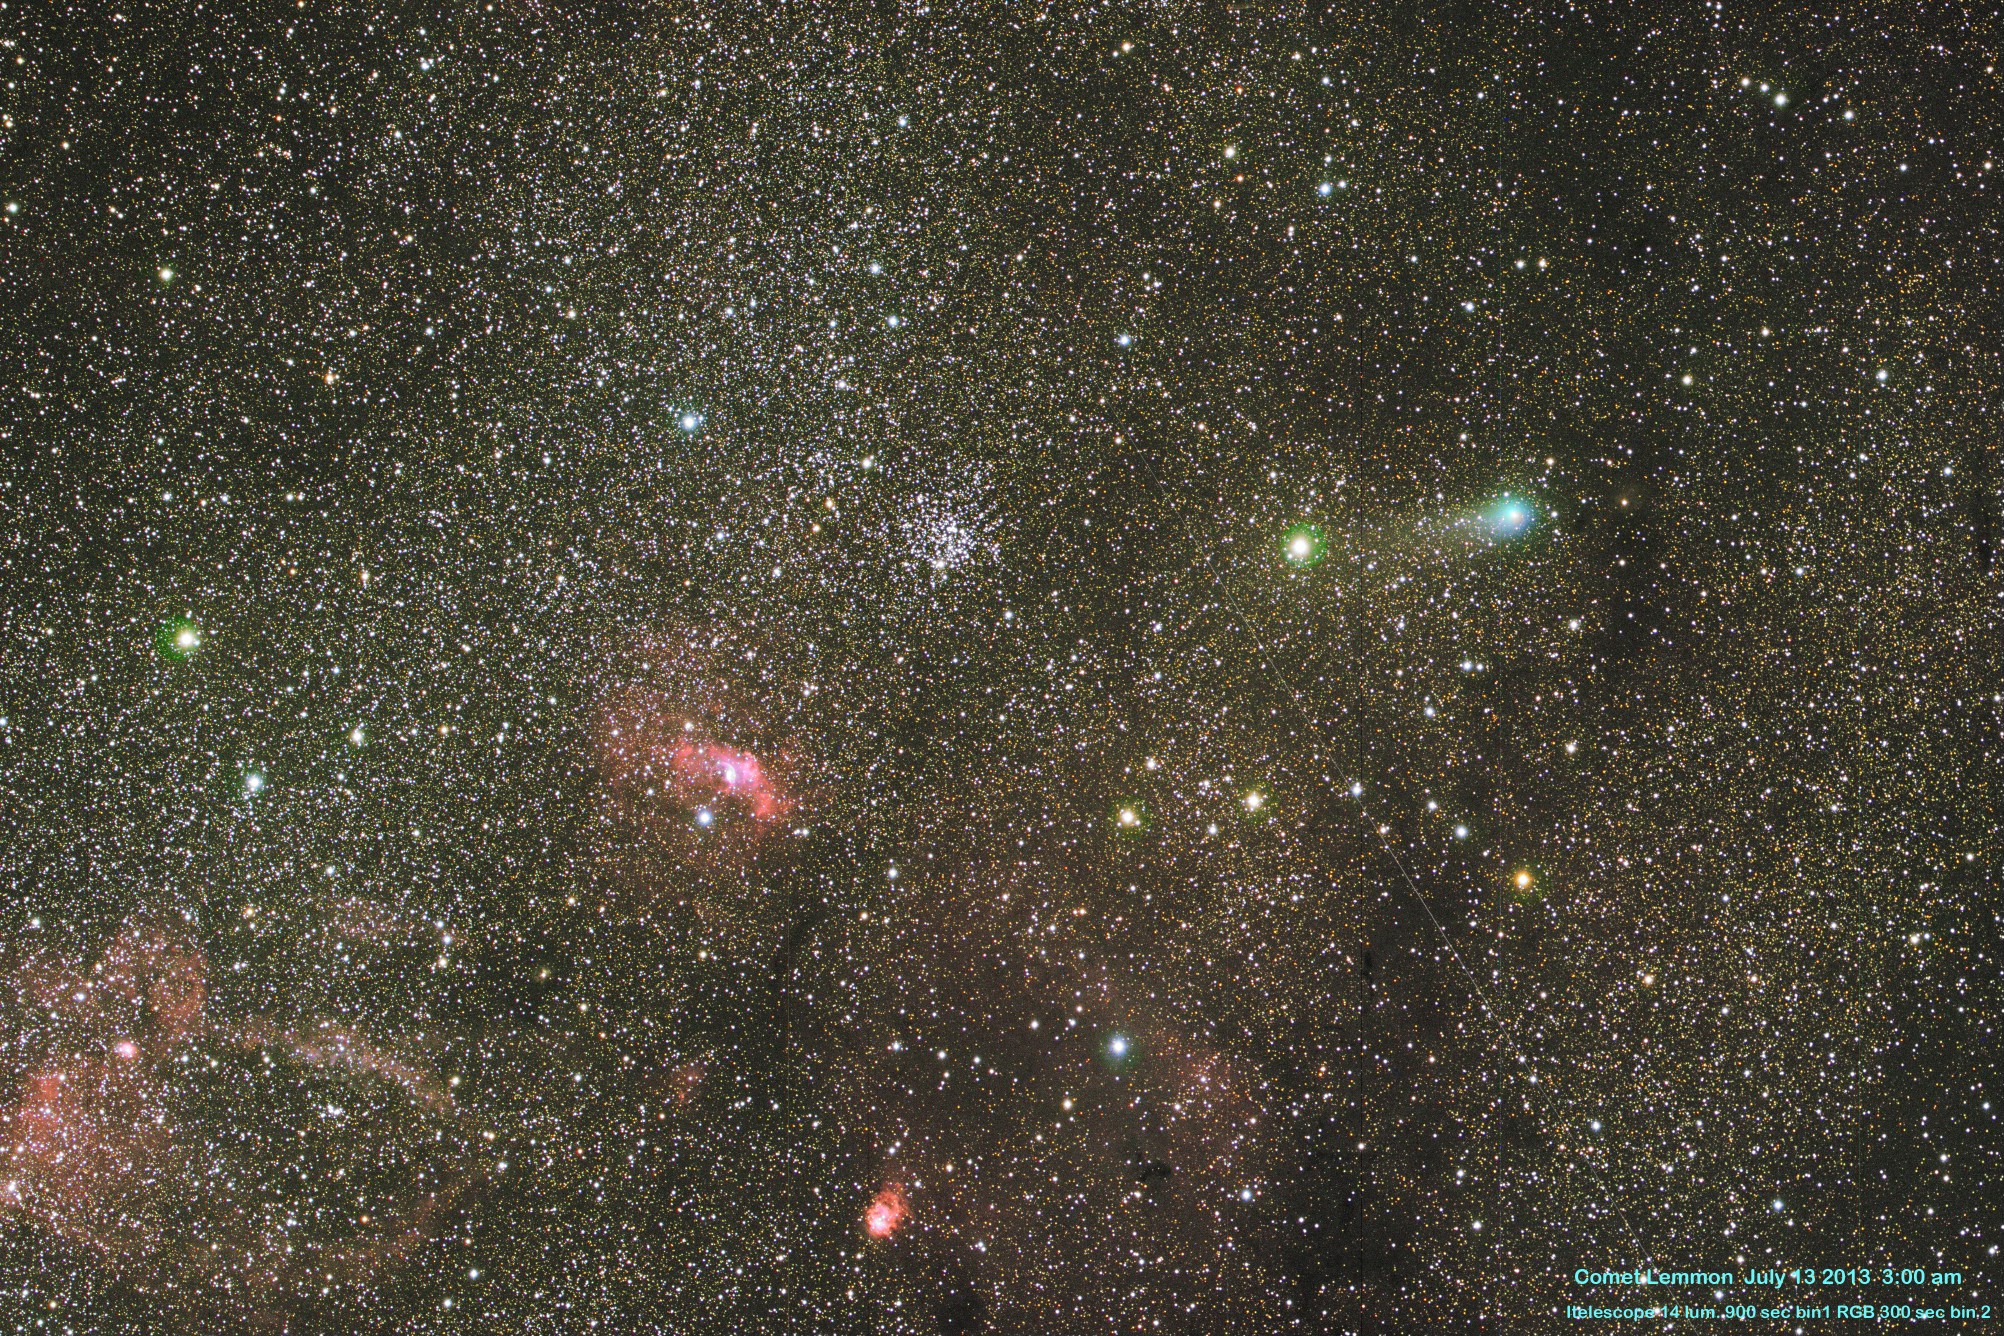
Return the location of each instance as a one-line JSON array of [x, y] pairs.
[[886, 1211], [708, 770], [658, 765], [104, 1148]]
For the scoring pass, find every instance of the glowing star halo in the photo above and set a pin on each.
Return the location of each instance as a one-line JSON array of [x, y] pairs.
[[886, 1211], [1526, 886], [1303, 545], [178, 638], [1130, 817]]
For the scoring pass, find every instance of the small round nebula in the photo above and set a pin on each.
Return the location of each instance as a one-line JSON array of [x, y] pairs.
[[886, 1211]]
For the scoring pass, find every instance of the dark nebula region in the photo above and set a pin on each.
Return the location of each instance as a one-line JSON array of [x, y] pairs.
[[1039, 669]]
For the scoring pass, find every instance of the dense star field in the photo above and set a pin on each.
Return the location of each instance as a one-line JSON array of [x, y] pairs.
[[881, 669]]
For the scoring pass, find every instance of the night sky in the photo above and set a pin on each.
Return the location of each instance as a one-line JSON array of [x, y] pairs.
[[1029, 669]]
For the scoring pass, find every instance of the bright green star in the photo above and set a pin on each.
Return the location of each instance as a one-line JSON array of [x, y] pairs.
[[1303, 545], [177, 639]]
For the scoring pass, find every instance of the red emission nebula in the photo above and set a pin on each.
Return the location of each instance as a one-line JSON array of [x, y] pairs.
[[690, 771], [662, 706], [886, 1211], [662, 769], [133, 1135], [716, 774]]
